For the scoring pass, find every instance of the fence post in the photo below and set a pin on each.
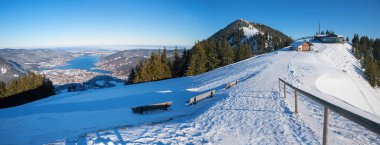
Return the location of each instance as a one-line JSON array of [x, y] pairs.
[[295, 102], [284, 90], [166, 106], [325, 125], [141, 110], [279, 87]]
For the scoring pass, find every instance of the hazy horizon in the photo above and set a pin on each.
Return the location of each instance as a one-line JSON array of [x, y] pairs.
[[111, 47]]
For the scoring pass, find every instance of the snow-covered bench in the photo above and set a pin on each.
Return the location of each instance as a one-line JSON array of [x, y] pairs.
[[161, 106], [229, 85], [200, 97]]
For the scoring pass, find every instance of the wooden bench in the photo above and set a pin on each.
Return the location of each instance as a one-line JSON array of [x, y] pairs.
[[200, 97], [229, 85], [161, 106]]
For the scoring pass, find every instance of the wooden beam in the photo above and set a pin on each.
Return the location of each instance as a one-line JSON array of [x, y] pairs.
[[326, 117], [200, 97], [284, 90], [162, 106], [229, 85], [295, 102], [279, 88]]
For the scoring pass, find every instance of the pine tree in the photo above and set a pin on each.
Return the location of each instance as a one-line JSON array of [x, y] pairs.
[[376, 50], [371, 72], [69, 88], [238, 53], [185, 62], [155, 68], [212, 55], [164, 56], [141, 72], [2, 89], [328, 32], [197, 63], [176, 65], [226, 54], [48, 87], [355, 43], [131, 76], [365, 45], [29, 82], [261, 44], [244, 52], [166, 73]]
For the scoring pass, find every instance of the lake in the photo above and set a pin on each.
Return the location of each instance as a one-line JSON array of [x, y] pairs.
[[85, 62]]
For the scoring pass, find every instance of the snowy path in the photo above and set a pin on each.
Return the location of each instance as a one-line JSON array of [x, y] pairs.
[[247, 116], [250, 113]]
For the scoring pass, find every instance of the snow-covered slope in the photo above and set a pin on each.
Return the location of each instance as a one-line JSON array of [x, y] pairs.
[[10, 70], [250, 31], [251, 112]]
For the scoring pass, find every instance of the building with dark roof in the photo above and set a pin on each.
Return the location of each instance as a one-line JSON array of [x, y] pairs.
[[330, 38]]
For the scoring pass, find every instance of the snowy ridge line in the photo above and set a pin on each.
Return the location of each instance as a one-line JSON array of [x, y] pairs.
[[352, 113]]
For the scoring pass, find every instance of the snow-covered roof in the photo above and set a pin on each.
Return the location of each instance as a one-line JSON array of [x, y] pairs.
[[298, 43], [320, 35], [328, 35]]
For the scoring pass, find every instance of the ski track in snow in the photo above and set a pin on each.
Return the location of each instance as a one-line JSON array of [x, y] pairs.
[[252, 112]]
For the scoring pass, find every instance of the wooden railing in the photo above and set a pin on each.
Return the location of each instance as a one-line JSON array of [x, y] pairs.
[[372, 124]]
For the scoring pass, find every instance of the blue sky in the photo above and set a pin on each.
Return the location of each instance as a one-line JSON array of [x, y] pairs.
[[49, 23]]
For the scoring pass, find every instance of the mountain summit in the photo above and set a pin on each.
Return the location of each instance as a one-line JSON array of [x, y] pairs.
[[260, 37]]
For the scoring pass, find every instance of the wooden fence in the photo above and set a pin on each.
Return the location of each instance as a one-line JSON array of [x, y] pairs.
[[161, 106], [372, 124], [200, 97]]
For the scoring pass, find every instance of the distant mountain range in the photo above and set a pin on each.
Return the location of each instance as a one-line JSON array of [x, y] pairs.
[[10, 70], [260, 39], [29, 58], [122, 62]]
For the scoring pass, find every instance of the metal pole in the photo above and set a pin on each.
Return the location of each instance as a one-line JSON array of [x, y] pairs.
[[279, 87], [295, 99], [325, 125], [284, 90]]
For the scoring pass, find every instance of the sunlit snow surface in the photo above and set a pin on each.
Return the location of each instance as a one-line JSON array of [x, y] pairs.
[[252, 112], [250, 31]]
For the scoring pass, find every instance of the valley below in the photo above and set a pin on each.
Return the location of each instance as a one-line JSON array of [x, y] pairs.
[[78, 66]]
